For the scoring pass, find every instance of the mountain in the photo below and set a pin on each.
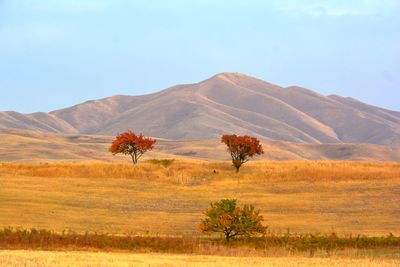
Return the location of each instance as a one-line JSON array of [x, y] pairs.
[[31, 146], [224, 103]]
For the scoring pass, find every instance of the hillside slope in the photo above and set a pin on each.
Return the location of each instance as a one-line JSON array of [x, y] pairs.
[[29, 146], [224, 103]]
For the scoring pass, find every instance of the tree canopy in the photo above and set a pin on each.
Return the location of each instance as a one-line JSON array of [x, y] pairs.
[[224, 217], [242, 148], [129, 143]]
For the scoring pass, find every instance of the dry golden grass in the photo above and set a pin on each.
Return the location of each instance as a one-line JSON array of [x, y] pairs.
[[29, 146], [80, 259], [303, 196]]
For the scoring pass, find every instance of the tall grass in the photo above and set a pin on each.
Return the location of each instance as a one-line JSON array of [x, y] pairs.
[[161, 162], [295, 243], [305, 196], [193, 170], [17, 258]]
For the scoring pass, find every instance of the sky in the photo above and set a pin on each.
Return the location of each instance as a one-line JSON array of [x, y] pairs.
[[55, 54]]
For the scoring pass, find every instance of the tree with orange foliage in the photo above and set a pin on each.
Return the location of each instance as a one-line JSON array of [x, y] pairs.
[[129, 143], [242, 148], [224, 217]]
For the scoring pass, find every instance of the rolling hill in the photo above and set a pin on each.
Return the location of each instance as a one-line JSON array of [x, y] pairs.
[[224, 103], [32, 146]]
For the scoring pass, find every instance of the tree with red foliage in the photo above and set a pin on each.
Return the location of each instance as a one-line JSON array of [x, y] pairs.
[[129, 143], [242, 148]]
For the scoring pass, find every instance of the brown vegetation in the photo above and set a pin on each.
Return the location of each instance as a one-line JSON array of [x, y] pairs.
[[28, 146], [295, 243], [304, 196], [17, 258]]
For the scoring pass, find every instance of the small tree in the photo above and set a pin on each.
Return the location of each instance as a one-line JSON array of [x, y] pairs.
[[224, 217], [242, 148], [129, 143]]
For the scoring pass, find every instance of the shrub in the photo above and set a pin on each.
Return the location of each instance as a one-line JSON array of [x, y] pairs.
[[224, 217]]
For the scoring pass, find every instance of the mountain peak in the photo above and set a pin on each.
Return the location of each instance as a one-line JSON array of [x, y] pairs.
[[228, 102], [234, 78], [231, 76]]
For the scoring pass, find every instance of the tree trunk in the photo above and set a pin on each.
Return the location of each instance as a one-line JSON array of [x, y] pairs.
[[236, 163], [134, 160], [237, 168], [227, 237]]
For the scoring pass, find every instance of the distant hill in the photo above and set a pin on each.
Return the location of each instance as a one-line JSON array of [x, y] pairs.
[[224, 103], [24, 145]]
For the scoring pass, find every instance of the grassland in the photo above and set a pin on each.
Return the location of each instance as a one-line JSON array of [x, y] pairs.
[[29, 146], [302, 196], [80, 259], [267, 245]]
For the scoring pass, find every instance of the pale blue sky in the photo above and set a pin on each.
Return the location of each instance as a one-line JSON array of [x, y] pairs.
[[55, 54]]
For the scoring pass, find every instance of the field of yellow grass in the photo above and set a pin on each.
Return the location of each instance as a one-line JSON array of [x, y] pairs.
[[29, 146], [80, 259], [118, 198]]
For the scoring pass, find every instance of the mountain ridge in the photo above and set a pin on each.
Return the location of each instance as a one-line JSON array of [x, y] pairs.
[[224, 103]]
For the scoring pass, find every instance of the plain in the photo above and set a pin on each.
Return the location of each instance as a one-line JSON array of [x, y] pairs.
[[154, 198]]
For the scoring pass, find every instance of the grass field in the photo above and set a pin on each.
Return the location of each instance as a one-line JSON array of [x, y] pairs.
[[303, 196], [18, 145], [80, 259]]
